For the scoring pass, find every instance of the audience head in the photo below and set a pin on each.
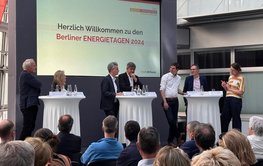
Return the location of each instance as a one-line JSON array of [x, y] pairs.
[[205, 136], [216, 157], [59, 78], [17, 153], [255, 126], [148, 142], [65, 123], [113, 68], [7, 132], [191, 127], [132, 128], [169, 156], [47, 136], [29, 65], [235, 141], [43, 152], [110, 124]]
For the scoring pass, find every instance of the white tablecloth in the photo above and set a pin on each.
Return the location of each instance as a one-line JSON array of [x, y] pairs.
[[55, 106], [204, 107], [133, 107]]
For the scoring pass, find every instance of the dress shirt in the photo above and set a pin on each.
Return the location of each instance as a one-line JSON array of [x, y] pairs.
[[146, 162], [197, 84], [170, 85], [257, 145], [114, 83], [130, 79]]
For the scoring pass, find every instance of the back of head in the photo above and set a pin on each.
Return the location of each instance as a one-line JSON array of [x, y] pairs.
[[110, 124], [149, 140], [65, 123], [132, 128], [6, 130], [191, 128], [47, 135], [17, 153], [235, 141], [216, 157], [256, 124], [169, 156], [205, 136], [43, 152]]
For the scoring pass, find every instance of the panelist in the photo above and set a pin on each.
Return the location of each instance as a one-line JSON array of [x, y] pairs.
[[59, 80], [128, 79], [109, 90]]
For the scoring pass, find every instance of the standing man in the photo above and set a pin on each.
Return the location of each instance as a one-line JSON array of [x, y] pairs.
[[109, 91], [128, 79], [29, 87], [169, 91]]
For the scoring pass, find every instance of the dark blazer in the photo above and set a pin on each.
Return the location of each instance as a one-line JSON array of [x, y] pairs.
[[189, 82], [107, 93], [190, 148], [125, 82], [69, 144], [130, 156], [29, 87]]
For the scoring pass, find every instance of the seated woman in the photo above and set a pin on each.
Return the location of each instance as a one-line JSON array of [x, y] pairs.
[[59, 81]]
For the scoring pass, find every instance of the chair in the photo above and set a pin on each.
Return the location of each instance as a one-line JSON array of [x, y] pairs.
[[111, 162]]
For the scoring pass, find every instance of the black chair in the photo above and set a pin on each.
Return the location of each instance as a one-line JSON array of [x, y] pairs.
[[111, 162]]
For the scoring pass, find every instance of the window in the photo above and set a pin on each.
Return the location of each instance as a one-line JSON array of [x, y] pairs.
[[249, 58]]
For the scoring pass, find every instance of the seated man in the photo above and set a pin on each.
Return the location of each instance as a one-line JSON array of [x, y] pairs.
[[70, 144], [148, 144], [7, 132], [130, 155], [205, 136], [106, 148]]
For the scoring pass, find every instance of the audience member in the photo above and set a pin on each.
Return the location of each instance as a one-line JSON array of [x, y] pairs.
[[205, 136], [148, 144], [7, 132], [47, 136], [107, 147], [69, 144], [170, 156], [235, 141], [128, 80], [59, 81], [255, 135], [29, 89], [216, 157], [109, 90], [190, 147], [17, 153], [130, 156], [42, 151]]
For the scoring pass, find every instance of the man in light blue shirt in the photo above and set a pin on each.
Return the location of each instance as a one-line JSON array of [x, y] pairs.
[[107, 147]]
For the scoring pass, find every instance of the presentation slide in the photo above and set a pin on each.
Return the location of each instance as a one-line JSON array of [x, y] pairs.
[[82, 37]]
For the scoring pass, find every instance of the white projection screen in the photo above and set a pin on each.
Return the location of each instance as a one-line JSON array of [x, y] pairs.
[[81, 37]]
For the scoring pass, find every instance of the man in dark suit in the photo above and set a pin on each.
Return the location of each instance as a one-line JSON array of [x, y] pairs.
[[29, 87], [130, 156], [70, 144], [128, 79], [109, 90]]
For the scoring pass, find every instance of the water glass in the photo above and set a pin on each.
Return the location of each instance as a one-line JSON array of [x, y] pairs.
[[69, 93]]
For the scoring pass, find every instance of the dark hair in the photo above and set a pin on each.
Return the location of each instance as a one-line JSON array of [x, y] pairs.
[[236, 66], [131, 64], [205, 136], [176, 65], [110, 124], [149, 140], [6, 128], [197, 66], [47, 136], [65, 123], [132, 128]]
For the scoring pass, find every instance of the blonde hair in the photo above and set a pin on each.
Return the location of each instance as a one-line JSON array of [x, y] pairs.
[[216, 157], [169, 155], [59, 78], [43, 152], [235, 141]]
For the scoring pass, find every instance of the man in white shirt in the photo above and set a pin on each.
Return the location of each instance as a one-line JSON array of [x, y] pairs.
[[169, 89]]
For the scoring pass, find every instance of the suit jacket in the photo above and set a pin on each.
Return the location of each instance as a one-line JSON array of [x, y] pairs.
[[189, 83], [125, 82], [108, 93], [130, 156], [190, 148], [29, 87], [69, 144]]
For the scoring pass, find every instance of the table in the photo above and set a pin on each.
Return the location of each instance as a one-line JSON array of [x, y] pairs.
[[204, 107], [57, 105], [134, 107]]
